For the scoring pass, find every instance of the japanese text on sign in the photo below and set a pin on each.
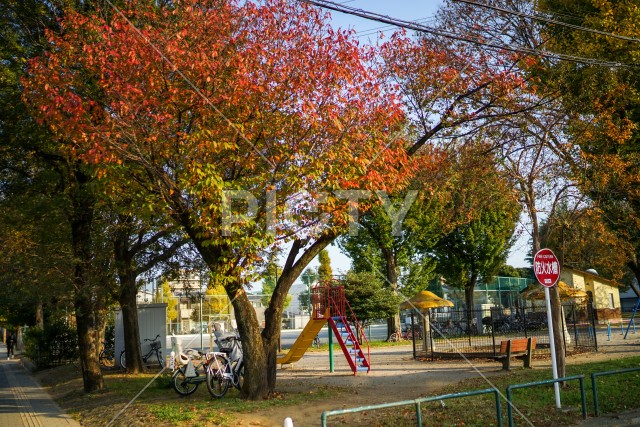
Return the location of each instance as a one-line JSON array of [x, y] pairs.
[[543, 268]]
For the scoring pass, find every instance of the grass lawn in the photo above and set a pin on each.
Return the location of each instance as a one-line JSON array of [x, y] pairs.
[[531, 406]]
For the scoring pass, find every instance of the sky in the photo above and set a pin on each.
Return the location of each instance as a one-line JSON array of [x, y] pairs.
[[410, 10]]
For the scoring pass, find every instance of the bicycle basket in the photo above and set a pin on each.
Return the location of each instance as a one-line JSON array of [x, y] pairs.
[[155, 345]]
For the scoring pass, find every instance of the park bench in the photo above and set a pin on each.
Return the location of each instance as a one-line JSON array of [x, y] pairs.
[[520, 348]]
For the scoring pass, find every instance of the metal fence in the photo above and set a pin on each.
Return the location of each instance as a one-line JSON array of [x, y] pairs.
[[479, 333], [55, 354]]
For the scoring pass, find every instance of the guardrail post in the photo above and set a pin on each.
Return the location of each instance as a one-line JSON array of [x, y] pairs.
[[509, 407], [583, 397], [498, 408]]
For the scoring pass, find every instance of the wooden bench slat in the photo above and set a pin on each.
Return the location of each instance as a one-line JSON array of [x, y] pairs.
[[517, 345], [518, 348]]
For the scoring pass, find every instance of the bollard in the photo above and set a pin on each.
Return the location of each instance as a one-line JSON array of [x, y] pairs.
[[288, 422], [608, 331], [633, 323], [621, 327]]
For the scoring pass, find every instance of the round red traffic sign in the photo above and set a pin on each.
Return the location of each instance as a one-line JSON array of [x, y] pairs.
[[546, 267]]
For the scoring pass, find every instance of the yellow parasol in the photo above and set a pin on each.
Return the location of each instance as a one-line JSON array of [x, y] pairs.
[[425, 300], [535, 291]]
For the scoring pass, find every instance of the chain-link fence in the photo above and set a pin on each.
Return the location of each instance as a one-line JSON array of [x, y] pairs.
[[478, 333]]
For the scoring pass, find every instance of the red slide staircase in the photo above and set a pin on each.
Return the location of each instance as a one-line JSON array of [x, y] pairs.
[[344, 324]]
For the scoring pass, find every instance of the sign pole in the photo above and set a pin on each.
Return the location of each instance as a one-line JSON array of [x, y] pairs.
[[546, 268], [552, 348]]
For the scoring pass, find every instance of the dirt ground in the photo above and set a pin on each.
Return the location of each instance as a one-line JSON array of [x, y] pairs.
[[396, 376]]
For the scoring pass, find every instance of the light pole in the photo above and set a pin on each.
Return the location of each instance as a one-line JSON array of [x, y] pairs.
[[201, 294]]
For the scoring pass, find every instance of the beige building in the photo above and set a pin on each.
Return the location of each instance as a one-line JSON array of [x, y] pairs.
[[602, 292]]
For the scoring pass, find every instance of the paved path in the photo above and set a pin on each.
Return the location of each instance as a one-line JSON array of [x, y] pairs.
[[23, 402]]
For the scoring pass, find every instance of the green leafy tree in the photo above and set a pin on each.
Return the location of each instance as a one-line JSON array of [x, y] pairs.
[[325, 274], [172, 302], [487, 212], [216, 304], [368, 297], [269, 280], [308, 278], [508, 271], [387, 252]]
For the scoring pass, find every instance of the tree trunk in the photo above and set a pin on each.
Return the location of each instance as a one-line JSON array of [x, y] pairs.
[[291, 270], [128, 304], [85, 299], [391, 272], [39, 314], [87, 334], [468, 301], [558, 333], [634, 266], [255, 352]]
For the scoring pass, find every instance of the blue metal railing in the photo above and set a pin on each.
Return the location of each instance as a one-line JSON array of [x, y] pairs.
[[594, 385], [418, 405]]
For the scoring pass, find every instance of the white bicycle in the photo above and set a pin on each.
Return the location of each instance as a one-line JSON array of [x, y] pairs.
[[227, 367]]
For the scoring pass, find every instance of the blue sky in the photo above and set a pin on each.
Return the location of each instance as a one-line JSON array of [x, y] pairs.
[[410, 10]]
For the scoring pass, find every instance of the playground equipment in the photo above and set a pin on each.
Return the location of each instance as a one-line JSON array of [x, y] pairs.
[[330, 306], [633, 315]]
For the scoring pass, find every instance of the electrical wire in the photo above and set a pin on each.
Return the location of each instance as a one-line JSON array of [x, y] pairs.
[[372, 16], [549, 20]]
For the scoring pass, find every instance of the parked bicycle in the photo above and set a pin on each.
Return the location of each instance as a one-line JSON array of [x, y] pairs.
[[410, 331], [396, 336], [154, 350], [107, 355], [447, 328], [226, 367], [186, 379]]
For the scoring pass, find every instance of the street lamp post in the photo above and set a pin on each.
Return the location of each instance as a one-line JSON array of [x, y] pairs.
[[201, 298]]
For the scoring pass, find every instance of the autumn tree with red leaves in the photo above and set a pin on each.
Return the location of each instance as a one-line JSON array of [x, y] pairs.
[[218, 106]]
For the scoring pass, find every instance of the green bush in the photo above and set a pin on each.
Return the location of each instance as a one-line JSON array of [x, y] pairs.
[[56, 344]]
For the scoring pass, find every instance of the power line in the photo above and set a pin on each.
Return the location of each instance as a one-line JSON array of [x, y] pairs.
[[378, 29], [549, 20], [372, 16]]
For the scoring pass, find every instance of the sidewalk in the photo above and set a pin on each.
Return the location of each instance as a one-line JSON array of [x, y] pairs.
[[23, 402]]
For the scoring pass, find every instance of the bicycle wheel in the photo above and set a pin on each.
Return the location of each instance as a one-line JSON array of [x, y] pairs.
[[107, 358], [216, 382], [160, 359], [183, 385], [123, 360]]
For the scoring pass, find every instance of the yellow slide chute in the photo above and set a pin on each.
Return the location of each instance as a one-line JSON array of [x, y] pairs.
[[303, 342]]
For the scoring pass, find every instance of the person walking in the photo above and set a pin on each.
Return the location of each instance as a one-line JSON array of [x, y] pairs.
[[11, 341]]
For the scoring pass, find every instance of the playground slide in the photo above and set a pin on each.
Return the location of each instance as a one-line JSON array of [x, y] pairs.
[[303, 342]]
